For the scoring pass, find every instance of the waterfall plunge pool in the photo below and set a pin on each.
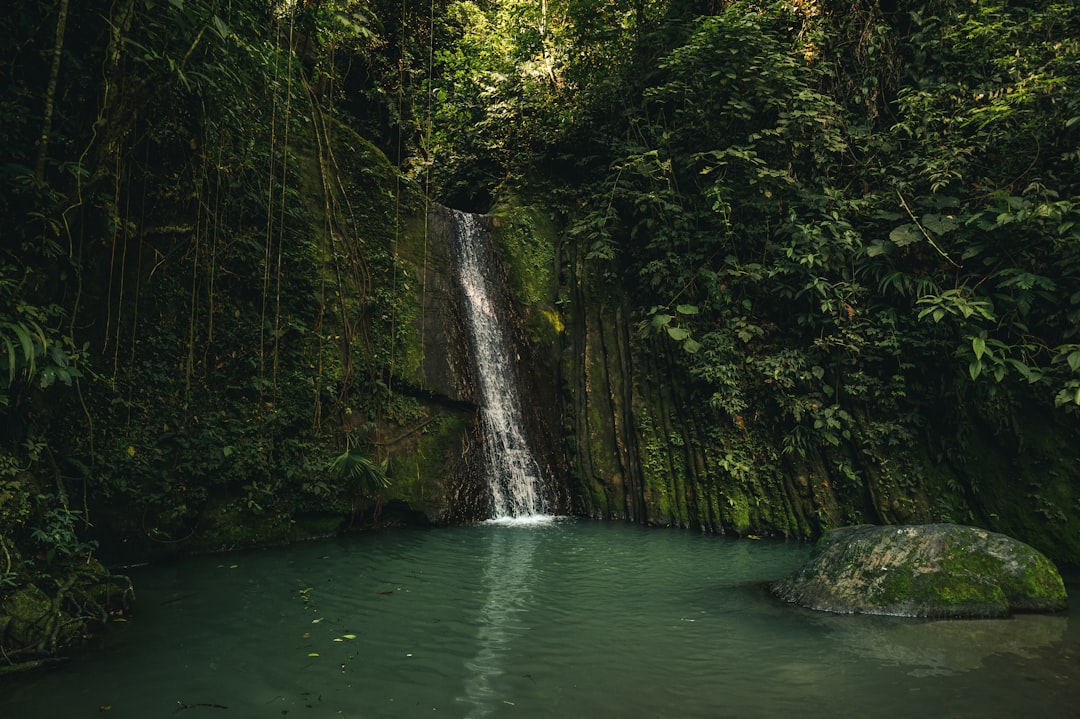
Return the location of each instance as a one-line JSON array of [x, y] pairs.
[[560, 619]]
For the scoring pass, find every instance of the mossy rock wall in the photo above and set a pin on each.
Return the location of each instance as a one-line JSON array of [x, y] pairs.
[[644, 448], [645, 445]]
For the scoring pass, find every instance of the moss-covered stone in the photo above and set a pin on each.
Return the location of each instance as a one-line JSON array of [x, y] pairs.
[[934, 570], [527, 236], [229, 524], [425, 464], [737, 513], [24, 617], [314, 526], [44, 616]]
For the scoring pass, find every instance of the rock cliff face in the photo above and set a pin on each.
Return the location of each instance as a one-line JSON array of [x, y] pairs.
[[936, 570], [445, 371], [646, 442]]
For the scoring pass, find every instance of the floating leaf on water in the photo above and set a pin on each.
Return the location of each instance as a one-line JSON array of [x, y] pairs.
[[313, 654], [338, 639], [316, 621], [233, 566], [349, 636]]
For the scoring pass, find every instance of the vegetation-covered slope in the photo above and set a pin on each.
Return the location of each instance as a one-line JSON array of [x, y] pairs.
[[794, 264], [208, 291]]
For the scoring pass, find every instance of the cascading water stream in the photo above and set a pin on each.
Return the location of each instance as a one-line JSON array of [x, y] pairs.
[[513, 475]]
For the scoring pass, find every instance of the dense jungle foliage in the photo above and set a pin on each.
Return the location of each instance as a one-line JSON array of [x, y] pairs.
[[844, 235], [858, 222]]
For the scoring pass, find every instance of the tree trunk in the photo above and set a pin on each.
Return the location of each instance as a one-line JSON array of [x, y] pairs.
[[50, 93]]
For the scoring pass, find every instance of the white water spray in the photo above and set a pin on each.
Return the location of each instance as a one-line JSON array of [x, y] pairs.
[[513, 475]]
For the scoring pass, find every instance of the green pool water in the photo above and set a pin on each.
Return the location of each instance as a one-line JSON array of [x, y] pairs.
[[560, 619]]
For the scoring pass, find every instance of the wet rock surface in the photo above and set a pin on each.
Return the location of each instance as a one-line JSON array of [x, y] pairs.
[[932, 570]]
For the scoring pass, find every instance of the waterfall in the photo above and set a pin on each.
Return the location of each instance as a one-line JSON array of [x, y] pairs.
[[513, 475]]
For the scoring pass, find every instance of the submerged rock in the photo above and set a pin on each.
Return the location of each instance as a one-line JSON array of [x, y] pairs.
[[932, 570]]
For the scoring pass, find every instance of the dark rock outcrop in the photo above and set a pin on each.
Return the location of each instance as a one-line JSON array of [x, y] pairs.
[[933, 570]]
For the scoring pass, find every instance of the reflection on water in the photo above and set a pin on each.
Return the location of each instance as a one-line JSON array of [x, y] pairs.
[[927, 648], [563, 619], [507, 574]]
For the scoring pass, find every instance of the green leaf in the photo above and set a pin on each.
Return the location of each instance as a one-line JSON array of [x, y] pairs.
[[978, 345], [691, 345], [11, 359], [940, 224], [353, 464], [905, 235], [677, 333], [659, 321], [1074, 360], [26, 337], [1020, 367], [220, 27], [975, 369], [876, 248], [687, 309]]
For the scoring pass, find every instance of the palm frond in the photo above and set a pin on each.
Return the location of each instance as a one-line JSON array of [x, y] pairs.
[[353, 464]]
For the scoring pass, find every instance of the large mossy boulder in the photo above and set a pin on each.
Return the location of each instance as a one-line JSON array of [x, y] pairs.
[[25, 616], [61, 607], [932, 570]]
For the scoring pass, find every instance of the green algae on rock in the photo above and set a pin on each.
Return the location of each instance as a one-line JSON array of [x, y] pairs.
[[932, 570], [40, 618]]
